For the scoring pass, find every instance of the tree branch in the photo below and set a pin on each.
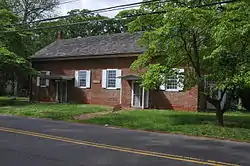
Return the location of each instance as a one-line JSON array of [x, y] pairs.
[[196, 55], [188, 52]]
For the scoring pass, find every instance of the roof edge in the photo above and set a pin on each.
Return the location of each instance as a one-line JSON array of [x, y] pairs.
[[120, 55]]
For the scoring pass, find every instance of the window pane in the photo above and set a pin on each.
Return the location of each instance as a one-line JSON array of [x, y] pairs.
[[111, 78], [82, 75], [43, 80], [172, 82]]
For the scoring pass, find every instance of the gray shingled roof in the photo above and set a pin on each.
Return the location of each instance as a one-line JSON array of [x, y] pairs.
[[92, 46]]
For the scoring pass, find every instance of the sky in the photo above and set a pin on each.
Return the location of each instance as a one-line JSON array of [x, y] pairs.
[[91, 5]]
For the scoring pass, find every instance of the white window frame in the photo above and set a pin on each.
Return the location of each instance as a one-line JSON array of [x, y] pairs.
[[87, 78], [105, 79], [107, 87], [180, 85], [46, 80], [172, 90], [79, 82]]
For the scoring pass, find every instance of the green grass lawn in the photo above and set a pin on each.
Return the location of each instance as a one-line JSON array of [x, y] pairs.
[[4, 98], [237, 125], [65, 112]]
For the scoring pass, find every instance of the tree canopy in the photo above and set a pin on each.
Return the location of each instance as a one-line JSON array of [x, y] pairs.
[[208, 43]]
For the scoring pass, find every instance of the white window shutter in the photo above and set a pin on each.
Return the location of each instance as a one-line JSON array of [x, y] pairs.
[[76, 78], [104, 78], [47, 80], [163, 86], [88, 79], [118, 80], [37, 81], [181, 80]]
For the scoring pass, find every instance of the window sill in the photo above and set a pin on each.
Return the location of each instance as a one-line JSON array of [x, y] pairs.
[[172, 90], [83, 87], [112, 88]]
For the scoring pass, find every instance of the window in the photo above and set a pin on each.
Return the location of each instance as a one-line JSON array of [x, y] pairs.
[[43, 82], [174, 82], [110, 79], [82, 78]]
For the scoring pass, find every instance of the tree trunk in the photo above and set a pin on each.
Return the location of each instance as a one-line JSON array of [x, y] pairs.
[[219, 116], [201, 96]]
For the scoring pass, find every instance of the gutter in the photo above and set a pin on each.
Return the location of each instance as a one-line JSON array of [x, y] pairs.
[[85, 57]]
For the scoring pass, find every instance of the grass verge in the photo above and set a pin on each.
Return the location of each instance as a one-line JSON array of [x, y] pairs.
[[66, 112], [237, 125]]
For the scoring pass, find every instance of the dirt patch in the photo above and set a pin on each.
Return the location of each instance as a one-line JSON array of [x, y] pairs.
[[91, 115], [96, 114]]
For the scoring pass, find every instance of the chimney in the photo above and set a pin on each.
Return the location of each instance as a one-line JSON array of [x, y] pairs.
[[59, 35]]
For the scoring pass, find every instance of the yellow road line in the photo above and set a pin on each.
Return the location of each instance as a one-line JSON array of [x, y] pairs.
[[117, 148]]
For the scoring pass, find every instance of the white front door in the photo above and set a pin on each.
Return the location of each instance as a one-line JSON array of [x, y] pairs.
[[139, 96]]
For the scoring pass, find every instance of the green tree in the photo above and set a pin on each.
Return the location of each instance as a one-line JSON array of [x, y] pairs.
[[201, 40], [30, 10], [94, 27], [13, 64]]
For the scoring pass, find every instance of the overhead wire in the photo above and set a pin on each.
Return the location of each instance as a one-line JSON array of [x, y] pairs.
[[108, 19], [66, 2], [87, 12]]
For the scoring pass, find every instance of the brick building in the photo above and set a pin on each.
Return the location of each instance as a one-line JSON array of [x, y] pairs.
[[96, 70]]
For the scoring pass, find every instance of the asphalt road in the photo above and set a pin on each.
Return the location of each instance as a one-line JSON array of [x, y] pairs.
[[34, 142]]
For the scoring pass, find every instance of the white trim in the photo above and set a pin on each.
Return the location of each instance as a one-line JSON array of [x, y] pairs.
[[112, 88], [47, 80], [180, 85], [172, 90], [88, 79], [38, 81], [118, 80], [76, 78], [143, 98], [104, 79]]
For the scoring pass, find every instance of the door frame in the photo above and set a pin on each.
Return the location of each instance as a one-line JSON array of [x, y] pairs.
[[142, 95], [59, 86]]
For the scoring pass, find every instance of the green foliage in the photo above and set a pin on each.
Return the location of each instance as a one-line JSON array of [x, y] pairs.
[[214, 45], [13, 58], [44, 37], [172, 44], [30, 10], [231, 58]]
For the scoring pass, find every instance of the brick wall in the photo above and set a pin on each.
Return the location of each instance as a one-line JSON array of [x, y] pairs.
[[97, 95]]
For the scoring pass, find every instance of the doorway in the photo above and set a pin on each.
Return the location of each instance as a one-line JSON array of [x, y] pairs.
[[140, 96], [61, 91]]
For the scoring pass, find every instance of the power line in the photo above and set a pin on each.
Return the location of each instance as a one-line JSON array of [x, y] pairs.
[[62, 3], [87, 12], [108, 19]]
